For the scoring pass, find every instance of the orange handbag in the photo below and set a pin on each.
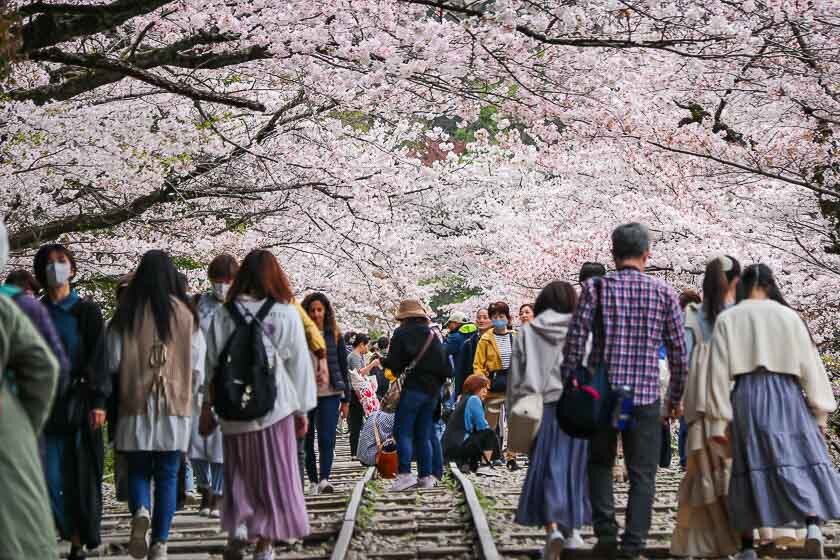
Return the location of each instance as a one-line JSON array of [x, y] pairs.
[[386, 454]]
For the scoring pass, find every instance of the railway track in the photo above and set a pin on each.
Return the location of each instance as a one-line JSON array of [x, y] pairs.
[[465, 517], [193, 537], [501, 496], [443, 522]]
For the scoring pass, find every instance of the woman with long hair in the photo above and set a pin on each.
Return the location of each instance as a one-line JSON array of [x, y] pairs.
[[334, 395], [363, 400], [157, 350], [73, 440], [555, 491], [703, 527], [775, 417], [262, 479], [206, 455]]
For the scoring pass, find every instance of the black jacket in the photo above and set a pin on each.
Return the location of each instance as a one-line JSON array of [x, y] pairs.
[[431, 370]]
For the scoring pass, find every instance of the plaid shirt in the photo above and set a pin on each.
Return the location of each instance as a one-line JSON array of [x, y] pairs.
[[640, 313]]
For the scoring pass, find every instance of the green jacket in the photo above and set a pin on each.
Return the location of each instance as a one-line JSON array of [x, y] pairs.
[[26, 522]]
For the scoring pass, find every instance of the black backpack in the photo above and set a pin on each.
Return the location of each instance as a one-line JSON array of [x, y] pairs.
[[243, 385]]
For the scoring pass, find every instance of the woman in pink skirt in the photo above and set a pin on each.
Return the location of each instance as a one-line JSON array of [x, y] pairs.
[[263, 491]]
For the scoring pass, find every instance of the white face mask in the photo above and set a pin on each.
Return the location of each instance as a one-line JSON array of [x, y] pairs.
[[58, 273], [220, 290]]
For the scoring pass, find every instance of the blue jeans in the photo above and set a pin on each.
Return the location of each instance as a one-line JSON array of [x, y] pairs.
[[437, 449], [682, 435], [324, 418], [209, 475], [189, 480], [413, 431], [162, 466], [54, 447]]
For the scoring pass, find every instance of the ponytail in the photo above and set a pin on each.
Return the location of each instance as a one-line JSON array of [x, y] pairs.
[[720, 273]]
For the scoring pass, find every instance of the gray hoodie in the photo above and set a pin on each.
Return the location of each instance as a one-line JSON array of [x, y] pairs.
[[537, 351]]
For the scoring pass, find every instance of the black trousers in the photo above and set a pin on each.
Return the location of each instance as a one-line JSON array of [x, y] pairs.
[[641, 444], [474, 446], [355, 421]]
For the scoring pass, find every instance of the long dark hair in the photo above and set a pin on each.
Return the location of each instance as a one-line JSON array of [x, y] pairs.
[[720, 273], [559, 296], [155, 283], [760, 276], [261, 276], [329, 314]]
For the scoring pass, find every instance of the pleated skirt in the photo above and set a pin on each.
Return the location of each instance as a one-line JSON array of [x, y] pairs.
[[781, 470], [263, 489], [556, 488]]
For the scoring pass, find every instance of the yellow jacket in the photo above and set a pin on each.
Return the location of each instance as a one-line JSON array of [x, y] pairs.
[[487, 356], [314, 338]]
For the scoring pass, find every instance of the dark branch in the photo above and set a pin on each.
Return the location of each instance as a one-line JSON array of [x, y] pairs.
[[57, 23], [99, 62]]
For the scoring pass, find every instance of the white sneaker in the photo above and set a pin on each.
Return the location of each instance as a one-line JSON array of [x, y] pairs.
[[553, 549], [158, 551], [814, 544], [427, 482], [575, 541], [313, 488], [325, 487], [747, 554], [204, 512], [138, 544], [215, 514], [404, 481]]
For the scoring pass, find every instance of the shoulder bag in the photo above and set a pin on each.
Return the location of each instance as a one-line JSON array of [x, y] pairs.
[[392, 398], [586, 404], [387, 461]]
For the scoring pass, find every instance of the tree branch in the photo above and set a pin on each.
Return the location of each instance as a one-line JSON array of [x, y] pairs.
[[99, 62], [57, 23]]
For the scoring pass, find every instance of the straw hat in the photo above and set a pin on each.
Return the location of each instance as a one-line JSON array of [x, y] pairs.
[[411, 308]]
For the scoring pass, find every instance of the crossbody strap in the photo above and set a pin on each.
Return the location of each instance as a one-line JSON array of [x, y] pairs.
[[376, 434], [422, 352]]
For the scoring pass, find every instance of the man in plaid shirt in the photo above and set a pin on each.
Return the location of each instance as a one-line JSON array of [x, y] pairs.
[[639, 314]]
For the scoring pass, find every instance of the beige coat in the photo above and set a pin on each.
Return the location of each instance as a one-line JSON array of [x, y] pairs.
[[763, 333]]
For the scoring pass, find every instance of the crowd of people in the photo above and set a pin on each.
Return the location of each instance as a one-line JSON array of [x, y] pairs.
[[229, 391]]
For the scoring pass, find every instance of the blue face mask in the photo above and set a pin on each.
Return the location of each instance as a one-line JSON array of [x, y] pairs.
[[500, 324]]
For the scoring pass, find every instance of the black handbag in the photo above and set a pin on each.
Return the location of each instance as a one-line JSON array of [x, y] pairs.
[[586, 404], [498, 381]]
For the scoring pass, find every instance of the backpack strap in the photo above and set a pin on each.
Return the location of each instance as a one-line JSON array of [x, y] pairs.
[[235, 313], [266, 307]]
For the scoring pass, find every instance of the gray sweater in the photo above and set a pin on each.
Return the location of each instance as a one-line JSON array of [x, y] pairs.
[[537, 353]]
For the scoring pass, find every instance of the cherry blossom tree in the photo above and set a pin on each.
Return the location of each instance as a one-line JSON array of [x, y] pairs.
[[384, 148]]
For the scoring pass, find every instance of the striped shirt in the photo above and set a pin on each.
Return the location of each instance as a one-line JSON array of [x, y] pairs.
[[503, 341], [640, 314]]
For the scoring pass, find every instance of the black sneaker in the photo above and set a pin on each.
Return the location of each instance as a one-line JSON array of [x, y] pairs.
[[512, 465]]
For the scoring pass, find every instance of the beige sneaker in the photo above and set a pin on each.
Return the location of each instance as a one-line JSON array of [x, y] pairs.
[[138, 544]]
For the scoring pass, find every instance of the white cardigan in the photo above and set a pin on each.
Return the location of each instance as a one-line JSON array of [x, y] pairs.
[[285, 344], [763, 333]]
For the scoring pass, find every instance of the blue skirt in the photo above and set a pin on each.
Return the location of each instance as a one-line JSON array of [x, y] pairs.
[[781, 470], [556, 486]]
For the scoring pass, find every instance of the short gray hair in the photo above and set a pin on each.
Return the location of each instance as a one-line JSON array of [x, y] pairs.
[[630, 240]]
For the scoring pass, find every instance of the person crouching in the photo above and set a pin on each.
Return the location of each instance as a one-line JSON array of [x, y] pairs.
[[468, 439]]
